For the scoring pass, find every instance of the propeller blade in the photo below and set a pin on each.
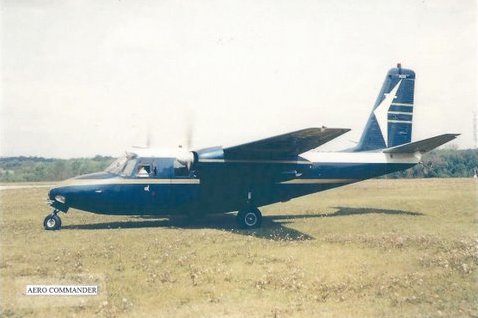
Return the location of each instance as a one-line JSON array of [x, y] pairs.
[[189, 134], [148, 138]]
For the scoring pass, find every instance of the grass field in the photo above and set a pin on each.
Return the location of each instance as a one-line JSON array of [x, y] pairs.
[[381, 248]]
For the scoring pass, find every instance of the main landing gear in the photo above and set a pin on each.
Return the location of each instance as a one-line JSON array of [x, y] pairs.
[[249, 218], [52, 221]]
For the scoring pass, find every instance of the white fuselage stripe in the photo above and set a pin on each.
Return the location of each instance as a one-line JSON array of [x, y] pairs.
[[335, 157], [360, 157], [319, 181], [123, 181], [253, 161]]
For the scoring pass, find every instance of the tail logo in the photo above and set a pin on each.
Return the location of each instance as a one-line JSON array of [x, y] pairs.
[[381, 112]]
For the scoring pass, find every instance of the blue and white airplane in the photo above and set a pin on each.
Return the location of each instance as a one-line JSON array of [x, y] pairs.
[[244, 177]]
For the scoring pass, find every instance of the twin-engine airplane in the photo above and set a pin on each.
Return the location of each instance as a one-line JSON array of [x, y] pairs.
[[244, 177]]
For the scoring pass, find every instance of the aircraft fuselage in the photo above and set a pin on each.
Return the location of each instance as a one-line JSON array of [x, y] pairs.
[[226, 186]]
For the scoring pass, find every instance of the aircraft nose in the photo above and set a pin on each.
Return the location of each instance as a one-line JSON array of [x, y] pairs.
[[57, 194], [58, 198], [51, 193]]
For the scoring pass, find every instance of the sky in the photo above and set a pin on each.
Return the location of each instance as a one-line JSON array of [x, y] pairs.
[[80, 78]]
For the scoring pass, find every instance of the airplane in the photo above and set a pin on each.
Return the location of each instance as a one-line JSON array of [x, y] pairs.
[[247, 176]]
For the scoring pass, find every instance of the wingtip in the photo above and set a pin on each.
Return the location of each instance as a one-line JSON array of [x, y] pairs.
[[452, 135]]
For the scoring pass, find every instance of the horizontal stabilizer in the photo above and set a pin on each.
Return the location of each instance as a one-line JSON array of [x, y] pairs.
[[422, 146], [284, 146]]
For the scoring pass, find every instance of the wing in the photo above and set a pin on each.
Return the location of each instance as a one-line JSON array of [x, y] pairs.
[[283, 146]]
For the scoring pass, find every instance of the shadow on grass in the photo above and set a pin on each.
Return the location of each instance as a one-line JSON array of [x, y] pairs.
[[273, 226], [347, 211], [344, 211]]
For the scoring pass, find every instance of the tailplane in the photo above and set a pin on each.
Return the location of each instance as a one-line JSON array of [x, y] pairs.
[[422, 146], [390, 123]]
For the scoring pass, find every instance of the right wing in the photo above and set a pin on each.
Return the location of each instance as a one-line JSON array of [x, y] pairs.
[[283, 146]]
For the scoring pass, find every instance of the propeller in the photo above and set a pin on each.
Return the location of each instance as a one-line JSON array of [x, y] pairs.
[[189, 135], [186, 156], [149, 138], [147, 144]]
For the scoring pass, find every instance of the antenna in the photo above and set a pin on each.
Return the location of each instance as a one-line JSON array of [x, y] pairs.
[[475, 141], [475, 131]]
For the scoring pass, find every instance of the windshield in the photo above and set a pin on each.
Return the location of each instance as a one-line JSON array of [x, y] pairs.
[[117, 166], [129, 167]]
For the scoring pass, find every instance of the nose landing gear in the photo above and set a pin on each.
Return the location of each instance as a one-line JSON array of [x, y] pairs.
[[52, 221]]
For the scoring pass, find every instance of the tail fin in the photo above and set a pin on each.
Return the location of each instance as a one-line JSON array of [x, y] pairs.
[[390, 123]]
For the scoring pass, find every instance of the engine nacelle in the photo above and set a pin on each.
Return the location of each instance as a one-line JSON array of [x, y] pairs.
[[187, 158], [213, 153]]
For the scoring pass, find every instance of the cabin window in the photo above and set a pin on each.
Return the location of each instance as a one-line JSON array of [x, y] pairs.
[[180, 170], [143, 170]]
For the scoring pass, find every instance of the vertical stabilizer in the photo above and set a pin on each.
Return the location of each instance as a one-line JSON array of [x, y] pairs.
[[390, 123]]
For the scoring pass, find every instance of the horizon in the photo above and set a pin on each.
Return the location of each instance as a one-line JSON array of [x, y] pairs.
[[448, 147]]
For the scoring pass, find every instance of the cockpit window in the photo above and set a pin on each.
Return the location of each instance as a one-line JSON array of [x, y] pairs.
[[146, 167], [123, 166], [129, 167], [117, 166]]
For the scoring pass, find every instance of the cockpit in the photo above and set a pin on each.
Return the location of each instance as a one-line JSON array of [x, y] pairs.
[[135, 166]]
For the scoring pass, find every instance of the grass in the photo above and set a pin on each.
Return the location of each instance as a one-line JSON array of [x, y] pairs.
[[381, 248]]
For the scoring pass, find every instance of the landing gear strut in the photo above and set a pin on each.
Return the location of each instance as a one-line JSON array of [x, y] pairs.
[[249, 218], [52, 221]]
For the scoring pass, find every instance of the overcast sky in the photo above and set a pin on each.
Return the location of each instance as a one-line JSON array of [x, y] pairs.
[[81, 78]]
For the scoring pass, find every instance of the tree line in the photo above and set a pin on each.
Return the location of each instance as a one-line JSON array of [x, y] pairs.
[[436, 164], [23, 169], [443, 163]]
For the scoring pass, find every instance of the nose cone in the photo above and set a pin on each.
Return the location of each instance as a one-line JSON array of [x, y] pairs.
[[57, 191], [58, 197], [52, 193]]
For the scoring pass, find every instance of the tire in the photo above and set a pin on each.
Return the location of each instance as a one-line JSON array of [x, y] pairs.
[[52, 222], [250, 218]]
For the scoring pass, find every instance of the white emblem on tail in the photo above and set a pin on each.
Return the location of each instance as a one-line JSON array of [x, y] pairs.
[[381, 112]]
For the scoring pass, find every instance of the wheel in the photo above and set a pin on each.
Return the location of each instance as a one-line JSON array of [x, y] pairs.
[[52, 222], [249, 218]]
